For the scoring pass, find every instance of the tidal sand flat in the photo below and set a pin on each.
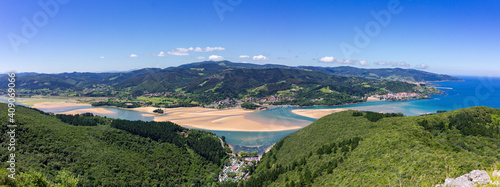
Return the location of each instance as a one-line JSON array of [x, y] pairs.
[[214, 119], [71, 105], [316, 113], [48, 105], [89, 110]]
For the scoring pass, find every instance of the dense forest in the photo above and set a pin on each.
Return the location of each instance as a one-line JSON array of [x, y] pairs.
[[354, 148], [203, 143], [398, 74], [60, 149]]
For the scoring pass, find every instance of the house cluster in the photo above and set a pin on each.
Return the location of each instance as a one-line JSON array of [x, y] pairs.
[[164, 94], [251, 99], [397, 96], [235, 171], [268, 99]]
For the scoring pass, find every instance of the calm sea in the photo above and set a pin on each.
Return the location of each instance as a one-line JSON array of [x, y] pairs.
[[473, 91]]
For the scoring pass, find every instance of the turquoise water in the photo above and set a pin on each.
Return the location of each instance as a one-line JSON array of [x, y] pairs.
[[473, 91]]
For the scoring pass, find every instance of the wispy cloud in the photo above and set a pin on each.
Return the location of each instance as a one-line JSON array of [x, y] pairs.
[[422, 66], [260, 57], [161, 53], [185, 51], [101, 57], [133, 55], [215, 57], [200, 57], [179, 52], [326, 59], [330, 59], [393, 64], [244, 56]]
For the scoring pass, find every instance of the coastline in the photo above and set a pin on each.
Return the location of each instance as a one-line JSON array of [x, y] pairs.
[[215, 119], [190, 117], [316, 113]]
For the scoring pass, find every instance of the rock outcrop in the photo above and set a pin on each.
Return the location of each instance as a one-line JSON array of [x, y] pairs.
[[471, 179]]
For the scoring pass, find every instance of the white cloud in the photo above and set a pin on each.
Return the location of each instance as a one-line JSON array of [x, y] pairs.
[[133, 55], [215, 58], [210, 49], [422, 66], [244, 56], [330, 59], [393, 64], [326, 59], [200, 57], [244, 62], [179, 52], [260, 57], [185, 51], [101, 57], [161, 53]]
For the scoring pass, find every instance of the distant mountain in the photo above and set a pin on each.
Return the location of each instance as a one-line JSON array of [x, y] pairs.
[[354, 148], [212, 80], [396, 74], [189, 72]]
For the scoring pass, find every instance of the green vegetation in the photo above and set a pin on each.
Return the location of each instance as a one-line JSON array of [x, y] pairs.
[[102, 155], [200, 84], [32, 178], [85, 119], [159, 111], [250, 106], [117, 104], [203, 143], [397, 74], [347, 149], [245, 154]]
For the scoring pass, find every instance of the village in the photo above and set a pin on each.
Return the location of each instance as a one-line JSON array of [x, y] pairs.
[[399, 96], [238, 168]]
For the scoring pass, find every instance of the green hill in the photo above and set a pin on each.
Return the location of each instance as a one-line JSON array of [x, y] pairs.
[[369, 149], [396, 74], [170, 79], [141, 154]]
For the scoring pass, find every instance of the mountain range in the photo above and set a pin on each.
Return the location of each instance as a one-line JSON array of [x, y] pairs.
[[175, 77]]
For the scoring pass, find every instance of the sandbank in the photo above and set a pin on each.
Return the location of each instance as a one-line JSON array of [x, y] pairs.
[[48, 105], [90, 110], [316, 113], [372, 99], [214, 119]]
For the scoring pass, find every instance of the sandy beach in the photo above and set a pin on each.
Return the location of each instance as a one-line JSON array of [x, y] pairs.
[[191, 117], [214, 119], [50, 105], [56, 104], [316, 113], [372, 99], [90, 110]]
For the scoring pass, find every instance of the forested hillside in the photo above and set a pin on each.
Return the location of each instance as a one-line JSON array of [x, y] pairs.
[[109, 152], [369, 149], [397, 74], [300, 84], [175, 79]]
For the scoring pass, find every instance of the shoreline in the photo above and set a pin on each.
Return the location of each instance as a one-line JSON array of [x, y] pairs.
[[316, 113], [233, 119]]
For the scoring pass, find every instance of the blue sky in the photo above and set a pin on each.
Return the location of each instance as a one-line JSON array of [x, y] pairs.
[[449, 36]]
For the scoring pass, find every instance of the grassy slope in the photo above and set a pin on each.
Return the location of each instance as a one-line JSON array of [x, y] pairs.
[[393, 151], [101, 155]]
